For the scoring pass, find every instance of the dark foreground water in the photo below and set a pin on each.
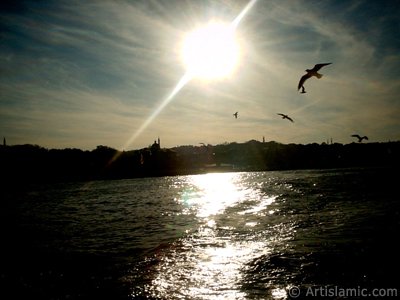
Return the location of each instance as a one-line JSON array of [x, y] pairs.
[[252, 235]]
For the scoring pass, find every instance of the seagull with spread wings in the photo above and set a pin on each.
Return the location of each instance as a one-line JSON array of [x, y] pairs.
[[360, 138], [310, 73], [286, 117], [236, 114]]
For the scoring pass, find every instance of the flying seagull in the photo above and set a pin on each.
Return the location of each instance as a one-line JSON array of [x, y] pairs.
[[310, 73], [360, 138], [236, 114], [286, 117]]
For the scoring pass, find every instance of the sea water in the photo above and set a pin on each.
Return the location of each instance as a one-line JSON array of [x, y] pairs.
[[247, 235]]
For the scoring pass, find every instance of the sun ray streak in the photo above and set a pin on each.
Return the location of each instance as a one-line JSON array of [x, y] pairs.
[[181, 83], [245, 10]]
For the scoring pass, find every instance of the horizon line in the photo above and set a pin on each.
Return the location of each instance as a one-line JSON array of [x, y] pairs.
[[205, 145]]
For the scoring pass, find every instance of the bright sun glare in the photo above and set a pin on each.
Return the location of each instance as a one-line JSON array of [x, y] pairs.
[[211, 52]]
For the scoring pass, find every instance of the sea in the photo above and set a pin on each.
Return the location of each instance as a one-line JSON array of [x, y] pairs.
[[304, 234]]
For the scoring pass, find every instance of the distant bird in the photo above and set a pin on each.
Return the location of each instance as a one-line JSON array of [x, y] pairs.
[[236, 114], [360, 138], [285, 117], [310, 73]]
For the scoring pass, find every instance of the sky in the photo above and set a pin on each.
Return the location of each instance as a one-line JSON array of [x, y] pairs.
[[78, 74]]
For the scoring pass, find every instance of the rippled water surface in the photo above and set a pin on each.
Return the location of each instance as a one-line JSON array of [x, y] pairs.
[[251, 235]]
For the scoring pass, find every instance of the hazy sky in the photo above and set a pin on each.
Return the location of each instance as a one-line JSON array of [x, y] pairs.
[[79, 74]]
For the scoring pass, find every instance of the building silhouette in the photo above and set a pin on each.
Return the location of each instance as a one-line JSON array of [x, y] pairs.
[[156, 146]]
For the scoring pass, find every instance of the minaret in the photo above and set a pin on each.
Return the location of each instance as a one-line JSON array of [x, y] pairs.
[[159, 144], [4, 142]]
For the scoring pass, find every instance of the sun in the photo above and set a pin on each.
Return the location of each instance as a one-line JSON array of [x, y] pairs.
[[211, 52]]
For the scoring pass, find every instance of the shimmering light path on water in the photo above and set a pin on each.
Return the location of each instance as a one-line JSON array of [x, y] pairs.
[[208, 262], [249, 235]]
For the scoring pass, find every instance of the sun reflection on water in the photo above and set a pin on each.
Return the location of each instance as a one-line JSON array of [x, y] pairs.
[[217, 191], [208, 262]]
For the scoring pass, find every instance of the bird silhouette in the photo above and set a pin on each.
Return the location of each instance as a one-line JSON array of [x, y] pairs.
[[310, 73], [360, 138], [285, 117], [236, 114]]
